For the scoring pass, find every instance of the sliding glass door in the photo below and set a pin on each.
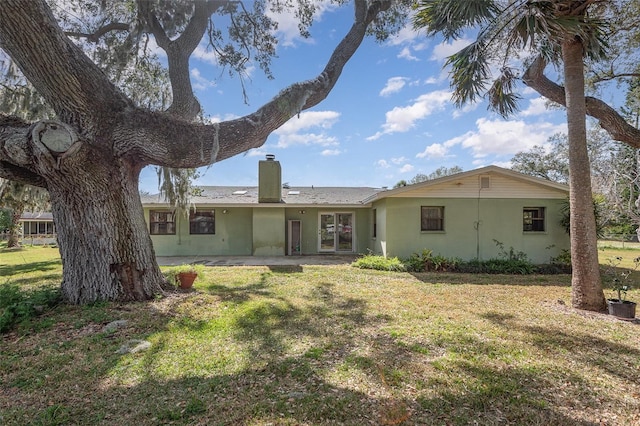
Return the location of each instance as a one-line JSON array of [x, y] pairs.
[[336, 232]]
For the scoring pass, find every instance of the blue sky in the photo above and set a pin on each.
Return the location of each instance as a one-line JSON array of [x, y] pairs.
[[389, 117]]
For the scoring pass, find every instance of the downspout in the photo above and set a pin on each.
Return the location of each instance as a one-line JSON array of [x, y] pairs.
[[476, 224]]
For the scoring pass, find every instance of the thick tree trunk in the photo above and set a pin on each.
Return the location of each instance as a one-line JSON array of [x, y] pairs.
[[14, 228], [104, 244], [586, 287], [90, 159]]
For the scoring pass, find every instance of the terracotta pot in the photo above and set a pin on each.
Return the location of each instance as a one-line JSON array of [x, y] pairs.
[[622, 309], [186, 279]]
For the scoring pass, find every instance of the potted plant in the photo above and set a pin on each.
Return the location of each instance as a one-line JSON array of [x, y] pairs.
[[621, 307], [184, 276]]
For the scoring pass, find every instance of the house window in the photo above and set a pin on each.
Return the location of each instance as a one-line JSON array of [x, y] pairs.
[[202, 222], [432, 219], [38, 228], [162, 222], [533, 219]]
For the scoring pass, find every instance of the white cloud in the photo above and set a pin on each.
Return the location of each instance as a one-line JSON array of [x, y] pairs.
[[434, 150], [288, 30], [309, 119], [398, 160], [217, 118], [257, 152], [297, 131], [330, 152], [406, 168], [503, 164], [285, 141], [444, 49], [200, 82], [537, 106], [499, 137], [383, 164], [405, 53], [394, 85], [405, 36], [402, 119], [466, 108], [205, 54]]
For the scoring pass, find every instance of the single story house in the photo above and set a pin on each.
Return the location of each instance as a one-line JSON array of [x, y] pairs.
[[38, 228], [461, 215]]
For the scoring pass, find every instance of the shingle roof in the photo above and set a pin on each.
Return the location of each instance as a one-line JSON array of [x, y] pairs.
[[295, 196], [37, 216]]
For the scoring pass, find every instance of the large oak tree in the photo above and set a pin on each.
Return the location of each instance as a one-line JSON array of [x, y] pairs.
[[90, 154]]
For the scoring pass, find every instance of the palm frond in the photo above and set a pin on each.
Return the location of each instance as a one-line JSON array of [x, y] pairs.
[[502, 97], [450, 17], [469, 73]]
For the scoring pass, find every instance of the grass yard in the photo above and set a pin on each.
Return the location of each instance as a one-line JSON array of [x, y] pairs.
[[323, 345]]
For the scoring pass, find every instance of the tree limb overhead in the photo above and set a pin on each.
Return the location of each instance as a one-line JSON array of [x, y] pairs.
[[609, 119]]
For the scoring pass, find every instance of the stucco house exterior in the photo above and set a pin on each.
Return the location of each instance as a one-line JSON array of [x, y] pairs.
[[461, 215]]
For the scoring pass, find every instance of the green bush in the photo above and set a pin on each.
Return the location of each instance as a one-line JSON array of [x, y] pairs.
[[380, 263], [18, 306], [498, 266], [508, 261], [426, 262]]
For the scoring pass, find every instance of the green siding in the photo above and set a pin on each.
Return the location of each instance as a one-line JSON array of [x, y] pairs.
[[269, 232], [471, 226], [378, 245], [362, 230], [232, 237]]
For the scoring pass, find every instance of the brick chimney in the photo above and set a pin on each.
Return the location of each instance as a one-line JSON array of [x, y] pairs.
[[269, 180]]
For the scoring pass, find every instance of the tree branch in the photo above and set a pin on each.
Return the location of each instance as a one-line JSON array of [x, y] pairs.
[[18, 174], [95, 37], [609, 77], [609, 119], [179, 51], [170, 141], [72, 84], [299, 96]]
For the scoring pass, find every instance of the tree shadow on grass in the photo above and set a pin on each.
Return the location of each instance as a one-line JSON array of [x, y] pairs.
[[280, 384], [554, 280], [25, 268], [616, 359], [285, 269], [57, 278], [241, 293], [322, 359]]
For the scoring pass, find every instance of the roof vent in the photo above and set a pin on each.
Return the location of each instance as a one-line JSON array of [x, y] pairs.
[[485, 183]]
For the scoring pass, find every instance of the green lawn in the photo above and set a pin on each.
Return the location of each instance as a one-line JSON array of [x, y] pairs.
[[323, 345]]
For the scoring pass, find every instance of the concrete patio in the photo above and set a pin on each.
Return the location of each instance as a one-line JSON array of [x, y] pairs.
[[258, 260]]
